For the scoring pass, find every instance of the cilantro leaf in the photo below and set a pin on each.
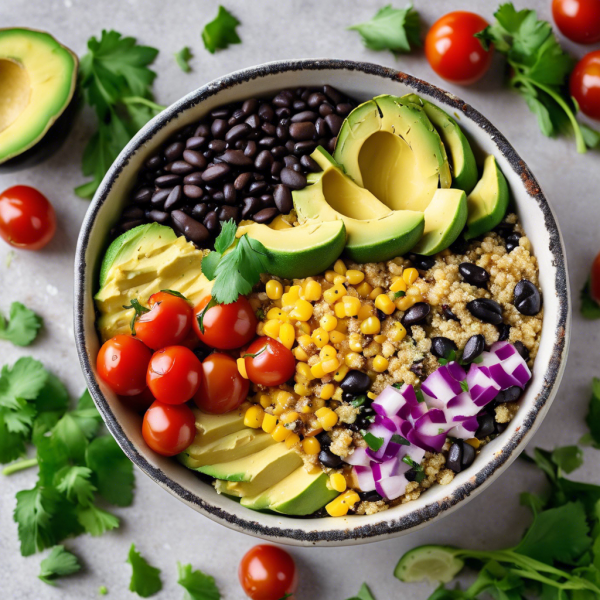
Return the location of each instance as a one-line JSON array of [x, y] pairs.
[[33, 514], [96, 521], [182, 58], [363, 594], [24, 381], [590, 136], [226, 237], [568, 458], [392, 29], [12, 445], [58, 563], [113, 471], [197, 585], [51, 404], [22, 327], [373, 441], [145, 579], [593, 416], [209, 264], [590, 309], [74, 482], [220, 32]]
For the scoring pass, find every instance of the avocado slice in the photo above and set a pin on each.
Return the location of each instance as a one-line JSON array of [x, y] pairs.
[[381, 234], [488, 201], [300, 493], [463, 165], [299, 251], [211, 428], [38, 77], [445, 218], [389, 146]]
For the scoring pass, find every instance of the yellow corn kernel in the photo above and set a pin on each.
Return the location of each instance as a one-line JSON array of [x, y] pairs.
[[302, 310], [327, 418], [405, 303], [318, 403], [336, 337], [333, 294], [289, 298], [301, 389], [338, 482], [384, 304], [340, 506], [397, 332], [364, 289], [338, 394], [277, 410], [339, 280], [304, 370], [354, 276], [287, 335], [254, 417], [300, 354], [265, 400], [271, 328], [330, 365], [322, 412], [269, 423], [280, 433], [320, 337], [327, 391], [351, 305], [339, 267], [277, 313], [410, 275], [311, 445], [307, 408], [366, 311], [341, 372], [259, 328], [327, 351], [305, 341], [329, 276], [289, 417], [473, 442], [380, 364], [371, 326], [312, 291], [304, 328], [241, 365], [342, 325], [317, 370], [292, 440], [372, 395], [398, 286], [380, 339], [283, 398], [328, 322], [274, 289], [340, 310], [355, 342], [374, 293]]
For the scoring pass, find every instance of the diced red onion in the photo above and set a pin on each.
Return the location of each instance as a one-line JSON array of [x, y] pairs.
[[442, 385], [461, 407], [506, 366], [482, 388], [384, 429], [430, 430], [364, 476], [392, 487], [385, 469], [465, 430], [358, 458], [391, 400]]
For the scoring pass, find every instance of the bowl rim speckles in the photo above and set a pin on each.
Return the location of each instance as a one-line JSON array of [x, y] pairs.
[[437, 501]]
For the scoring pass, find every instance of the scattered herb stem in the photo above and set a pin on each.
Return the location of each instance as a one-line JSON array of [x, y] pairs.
[[20, 465]]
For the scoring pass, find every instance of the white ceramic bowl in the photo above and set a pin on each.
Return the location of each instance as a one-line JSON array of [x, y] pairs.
[[361, 81]]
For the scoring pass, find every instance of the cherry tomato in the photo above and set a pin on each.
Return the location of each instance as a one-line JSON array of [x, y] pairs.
[[174, 374], [168, 429], [268, 573], [585, 84], [595, 280], [222, 388], [27, 219], [579, 20], [452, 50], [122, 363], [226, 326], [168, 322], [271, 362], [139, 403]]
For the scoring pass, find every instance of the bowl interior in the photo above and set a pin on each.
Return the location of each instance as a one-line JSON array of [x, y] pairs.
[[362, 82]]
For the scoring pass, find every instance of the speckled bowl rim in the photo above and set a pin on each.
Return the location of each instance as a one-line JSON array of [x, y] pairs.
[[303, 534]]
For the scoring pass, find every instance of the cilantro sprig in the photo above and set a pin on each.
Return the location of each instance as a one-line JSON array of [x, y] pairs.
[[58, 563], [220, 32], [145, 579], [22, 327], [197, 585]]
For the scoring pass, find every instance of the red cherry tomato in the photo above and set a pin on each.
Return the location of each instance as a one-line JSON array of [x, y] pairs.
[[222, 388], [168, 429], [122, 363], [226, 326], [168, 322], [579, 20], [268, 573], [174, 374], [27, 219], [595, 280], [585, 84], [271, 362], [452, 50], [139, 403]]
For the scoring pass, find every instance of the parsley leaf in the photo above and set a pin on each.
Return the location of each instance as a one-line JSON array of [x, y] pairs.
[[197, 585], [145, 579], [74, 482], [226, 237], [96, 521], [464, 386], [590, 309], [398, 439], [220, 32], [395, 29], [593, 416], [22, 327], [51, 404], [373, 441], [23, 381], [567, 458], [182, 58], [58, 563], [209, 264]]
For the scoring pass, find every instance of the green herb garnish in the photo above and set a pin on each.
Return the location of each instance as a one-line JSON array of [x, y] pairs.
[[22, 327], [182, 59], [399, 294], [58, 563], [220, 32], [450, 356], [197, 585], [398, 439], [358, 401], [363, 594], [419, 395], [145, 579], [464, 386], [373, 441]]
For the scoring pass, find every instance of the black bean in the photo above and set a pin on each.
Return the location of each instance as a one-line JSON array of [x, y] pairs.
[[356, 382], [418, 368], [416, 314], [442, 347], [269, 129], [250, 206], [193, 191], [310, 164], [127, 225], [194, 158], [211, 221], [306, 115], [283, 198], [348, 397], [381, 315], [411, 475], [329, 459], [266, 201], [158, 216], [251, 149], [165, 181], [253, 121], [208, 154], [302, 131], [218, 128], [133, 212], [218, 196], [372, 496], [159, 197], [276, 169], [473, 274], [242, 181], [503, 332], [154, 163], [473, 348], [181, 167], [200, 211], [511, 394], [504, 229], [257, 188], [315, 99], [195, 143], [266, 215], [524, 352], [264, 160], [299, 105], [324, 439], [173, 198], [325, 109], [486, 310], [527, 298], [512, 241], [282, 132], [455, 457], [448, 314], [420, 262], [304, 147], [279, 151], [321, 128], [174, 151], [218, 146], [267, 142], [468, 455], [193, 179], [265, 112], [192, 229], [487, 426], [334, 122], [290, 160], [331, 145], [165, 169], [295, 181], [221, 112], [250, 106], [459, 245], [334, 95], [237, 132], [284, 98], [236, 158], [229, 193], [501, 427], [289, 145], [228, 212], [143, 195], [237, 117], [203, 130], [217, 172]]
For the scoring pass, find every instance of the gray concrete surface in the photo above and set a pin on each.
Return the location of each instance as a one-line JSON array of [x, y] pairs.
[[164, 530]]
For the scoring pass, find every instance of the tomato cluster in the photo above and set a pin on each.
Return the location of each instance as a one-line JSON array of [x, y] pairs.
[[157, 370]]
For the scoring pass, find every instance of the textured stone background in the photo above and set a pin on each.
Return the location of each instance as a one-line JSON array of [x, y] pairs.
[[164, 529]]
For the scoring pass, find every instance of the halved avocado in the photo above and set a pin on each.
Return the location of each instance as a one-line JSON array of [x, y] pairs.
[[488, 202], [211, 428], [463, 165], [331, 195], [38, 77], [445, 218], [389, 146], [300, 251]]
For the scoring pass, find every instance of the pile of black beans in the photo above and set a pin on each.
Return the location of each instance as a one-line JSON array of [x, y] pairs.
[[240, 162]]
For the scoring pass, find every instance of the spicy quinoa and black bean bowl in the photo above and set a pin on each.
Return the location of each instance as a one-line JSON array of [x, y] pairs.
[[322, 307]]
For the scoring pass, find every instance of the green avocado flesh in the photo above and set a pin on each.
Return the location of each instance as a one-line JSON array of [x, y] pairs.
[[488, 201], [390, 147], [384, 235], [38, 77], [211, 428], [299, 251]]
